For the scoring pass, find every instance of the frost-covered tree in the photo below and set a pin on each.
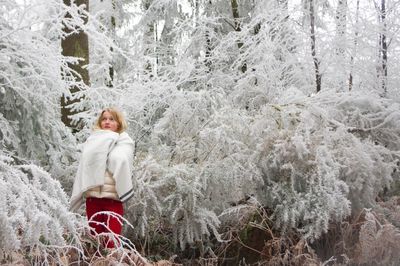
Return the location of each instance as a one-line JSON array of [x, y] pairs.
[[74, 43], [35, 146], [32, 72]]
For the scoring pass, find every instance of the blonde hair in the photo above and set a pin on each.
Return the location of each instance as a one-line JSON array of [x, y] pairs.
[[117, 115]]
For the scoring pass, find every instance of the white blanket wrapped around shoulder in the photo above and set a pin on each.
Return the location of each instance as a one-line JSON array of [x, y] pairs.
[[104, 149]]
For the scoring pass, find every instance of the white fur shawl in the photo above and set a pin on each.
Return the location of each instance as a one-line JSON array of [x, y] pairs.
[[104, 149]]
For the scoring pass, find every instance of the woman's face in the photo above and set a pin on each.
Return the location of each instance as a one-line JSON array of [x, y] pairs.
[[108, 122]]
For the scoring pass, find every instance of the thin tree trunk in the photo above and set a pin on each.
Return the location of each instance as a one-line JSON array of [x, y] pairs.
[[355, 47], [384, 47], [208, 47], [318, 77], [110, 83], [236, 18], [235, 13], [76, 45], [341, 21], [341, 43], [149, 42], [207, 60]]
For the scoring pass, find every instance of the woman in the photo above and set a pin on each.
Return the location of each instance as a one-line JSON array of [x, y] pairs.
[[104, 174]]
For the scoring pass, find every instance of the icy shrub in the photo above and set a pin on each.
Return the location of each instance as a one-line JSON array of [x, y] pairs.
[[301, 175], [197, 164], [34, 208], [316, 165]]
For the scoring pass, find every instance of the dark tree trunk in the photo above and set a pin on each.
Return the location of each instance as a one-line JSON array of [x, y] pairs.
[[235, 13], [207, 60], [354, 48], [76, 45], [318, 76], [236, 19], [208, 44], [110, 83], [383, 46]]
